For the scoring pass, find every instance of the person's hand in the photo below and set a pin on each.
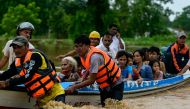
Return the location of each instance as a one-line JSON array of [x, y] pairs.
[[118, 35], [70, 90], [139, 81], [2, 84]]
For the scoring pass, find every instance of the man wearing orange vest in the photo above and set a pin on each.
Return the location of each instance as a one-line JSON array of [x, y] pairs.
[[33, 69], [101, 68]]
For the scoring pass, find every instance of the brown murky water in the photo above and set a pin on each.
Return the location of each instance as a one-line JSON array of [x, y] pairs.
[[178, 98]]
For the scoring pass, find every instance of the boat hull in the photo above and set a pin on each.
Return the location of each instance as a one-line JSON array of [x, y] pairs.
[[90, 95]]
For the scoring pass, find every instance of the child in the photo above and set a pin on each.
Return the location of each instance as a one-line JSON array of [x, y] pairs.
[[155, 65]]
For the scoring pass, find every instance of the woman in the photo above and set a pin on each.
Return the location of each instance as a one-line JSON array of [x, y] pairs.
[[126, 70], [142, 72], [69, 69]]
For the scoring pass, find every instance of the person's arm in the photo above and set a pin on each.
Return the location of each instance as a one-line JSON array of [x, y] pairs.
[[183, 70], [71, 53], [121, 45], [9, 73], [149, 74], [34, 64], [3, 61], [174, 58], [6, 54], [90, 80]]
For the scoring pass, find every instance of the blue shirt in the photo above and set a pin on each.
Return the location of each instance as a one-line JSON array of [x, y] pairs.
[[126, 71], [145, 72]]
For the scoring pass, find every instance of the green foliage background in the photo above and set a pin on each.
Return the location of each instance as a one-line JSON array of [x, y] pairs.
[[68, 18]]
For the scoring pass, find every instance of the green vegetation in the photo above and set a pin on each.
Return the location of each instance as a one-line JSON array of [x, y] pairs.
[[62, 19]]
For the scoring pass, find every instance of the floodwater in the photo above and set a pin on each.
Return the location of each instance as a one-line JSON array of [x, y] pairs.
[[177, 98]]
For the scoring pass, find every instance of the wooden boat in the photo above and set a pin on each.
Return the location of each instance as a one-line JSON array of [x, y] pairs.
[[16, 98]]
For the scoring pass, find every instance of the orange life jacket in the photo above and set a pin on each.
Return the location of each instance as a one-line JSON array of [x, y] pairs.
[[42, 80], [107, 73]]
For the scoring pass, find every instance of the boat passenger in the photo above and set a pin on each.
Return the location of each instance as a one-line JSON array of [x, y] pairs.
[[154, 54], [33, 69], [101, 68], [180, 53], [157, 73], [130, 59], [105, 46], [117, 43], [24, 29], [142, 71], [69, 70], [126, 70]]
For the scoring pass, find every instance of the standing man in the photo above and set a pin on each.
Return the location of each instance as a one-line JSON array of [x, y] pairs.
[[33, 69], [24, 29], [117, 43], [105, 46], [101, 68]]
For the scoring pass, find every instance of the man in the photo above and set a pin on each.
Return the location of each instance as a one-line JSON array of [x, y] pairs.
[[94, 41], [23, 29], [33, 69], [180, 53], [101, 68], [117, 43], [105, 46], [94, 38]]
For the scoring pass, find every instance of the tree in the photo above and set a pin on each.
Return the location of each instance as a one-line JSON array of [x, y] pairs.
[[18, 14], [148, 16], [183, 20]]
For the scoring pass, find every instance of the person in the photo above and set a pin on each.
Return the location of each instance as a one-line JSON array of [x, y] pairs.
[[130, 59], [32, 68], [105, 46], [23, 29], [142, 72], [126, 70], [157, 73], [154, 54], [101, 68], [69, 70], [94, 37], [79, 66], [117, 43], [187, 66], [179, 53]]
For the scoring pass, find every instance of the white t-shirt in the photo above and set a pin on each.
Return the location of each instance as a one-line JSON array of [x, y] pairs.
[[111, 52], [188, 63], [8, 51], [115, 44]]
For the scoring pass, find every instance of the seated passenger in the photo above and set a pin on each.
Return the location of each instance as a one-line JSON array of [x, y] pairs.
[[154, 54], [126, 70], [69, 70], [141, 71], [79, 65], [157, 73]]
